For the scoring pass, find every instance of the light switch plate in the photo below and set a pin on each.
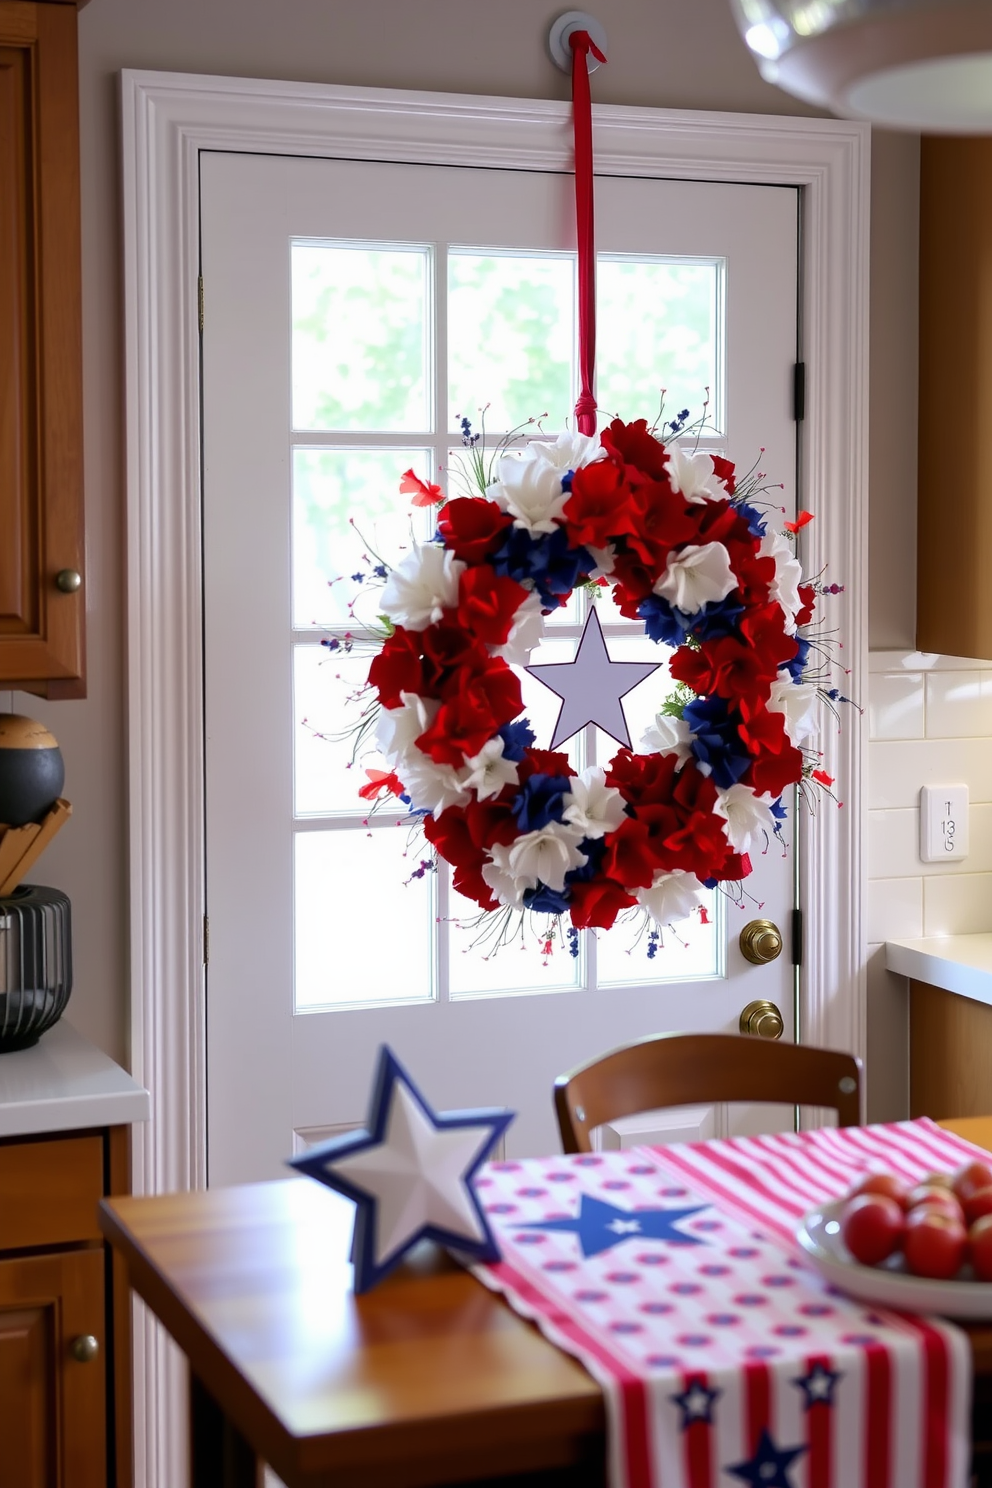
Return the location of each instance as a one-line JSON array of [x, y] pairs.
[[943, 823]]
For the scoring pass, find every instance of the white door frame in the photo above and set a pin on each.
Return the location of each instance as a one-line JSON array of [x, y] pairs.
[[168, 118]]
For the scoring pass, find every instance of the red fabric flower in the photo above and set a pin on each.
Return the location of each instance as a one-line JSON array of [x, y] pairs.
[[596, 902], [448, 652], [487, 603], [378, 782], [472, 713], [777, 763], [544, 762], [807, 598], [725, 470], [472, 527], [728, 667], [632, 854], [398, 668], [636, 447], [599, 507]]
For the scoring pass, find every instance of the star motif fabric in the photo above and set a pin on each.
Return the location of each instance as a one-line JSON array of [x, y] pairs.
[[818, 1385], [696, 1403], [591, 686], [409, 1172], [600, 1226], [768, 1468]]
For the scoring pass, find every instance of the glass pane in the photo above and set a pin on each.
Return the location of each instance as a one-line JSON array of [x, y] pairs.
[[476, 969], [348, 886], [360, 337], [689, 951], [510, 339], [324, 689], [657, 326], [642, 703], [347, 513]]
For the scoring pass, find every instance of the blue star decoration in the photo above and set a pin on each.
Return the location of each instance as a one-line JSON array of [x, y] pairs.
[[410, 1173], [591, 686], [818, 1385], [768, 1468], [599, 1226], [696, 1403]]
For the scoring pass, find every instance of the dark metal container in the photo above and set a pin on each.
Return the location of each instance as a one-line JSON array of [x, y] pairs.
[[35, 964]]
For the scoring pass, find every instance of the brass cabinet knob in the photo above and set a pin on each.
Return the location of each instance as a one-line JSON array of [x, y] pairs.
[[760, 942], [68, 580], [84, 1348], [763, 1020]]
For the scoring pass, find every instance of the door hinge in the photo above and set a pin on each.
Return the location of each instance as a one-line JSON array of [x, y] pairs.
[[797, 937], [206, 939], [798, 391], [199, 301]]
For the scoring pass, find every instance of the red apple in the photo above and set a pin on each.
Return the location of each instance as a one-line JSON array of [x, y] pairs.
[[980, 1247], [934, 1243], [977, 1204], [969, 1179], [871, 1226], [882, 1183]]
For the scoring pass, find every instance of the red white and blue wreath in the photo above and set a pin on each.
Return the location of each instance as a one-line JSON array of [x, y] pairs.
[[690, 554]]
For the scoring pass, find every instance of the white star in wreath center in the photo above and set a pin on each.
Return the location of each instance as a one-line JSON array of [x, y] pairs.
[[591, 686]]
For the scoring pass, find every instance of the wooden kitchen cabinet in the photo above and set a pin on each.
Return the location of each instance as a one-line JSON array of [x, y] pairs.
[[42, 604], [950, 1053], [65, 1415], [954, 608]]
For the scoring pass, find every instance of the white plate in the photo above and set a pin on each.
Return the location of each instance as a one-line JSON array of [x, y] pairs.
[[890, 1285]]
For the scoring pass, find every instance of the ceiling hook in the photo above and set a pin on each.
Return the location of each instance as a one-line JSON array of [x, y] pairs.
[[563, 28]]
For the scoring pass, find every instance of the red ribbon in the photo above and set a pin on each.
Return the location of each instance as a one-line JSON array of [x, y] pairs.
[[582, 44]]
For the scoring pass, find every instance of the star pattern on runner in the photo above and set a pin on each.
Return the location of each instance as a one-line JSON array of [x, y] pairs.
[[769, 1466], [600, 1226], [696, 1403], [818, 1384]]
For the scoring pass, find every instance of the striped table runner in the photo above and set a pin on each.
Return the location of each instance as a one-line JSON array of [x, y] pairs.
[[674, 1275]]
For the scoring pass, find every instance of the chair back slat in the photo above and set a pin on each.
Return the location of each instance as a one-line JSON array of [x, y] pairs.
[[682, 1069]]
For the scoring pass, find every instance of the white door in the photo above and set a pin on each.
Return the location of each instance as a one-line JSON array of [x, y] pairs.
[[353, 314]]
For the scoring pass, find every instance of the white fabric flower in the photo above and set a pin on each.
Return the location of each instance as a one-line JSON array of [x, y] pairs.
[[696, 576], [788, 576], [591, 806], [797, 700], [430, 786], [529, 488], [526, 632], [570, 451], [488, 771], [749, 818], [692, 475], [398, 729], [508, 888], [544, 856], [421, 587], [668, 736], [671, 897], [605, 559]]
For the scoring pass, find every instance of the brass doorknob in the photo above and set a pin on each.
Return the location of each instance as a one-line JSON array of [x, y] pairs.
[[67, 580], [84, 1348], [760, 942], [763, 1020]]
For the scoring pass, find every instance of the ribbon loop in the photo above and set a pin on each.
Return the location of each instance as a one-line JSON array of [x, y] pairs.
[[582, 44]]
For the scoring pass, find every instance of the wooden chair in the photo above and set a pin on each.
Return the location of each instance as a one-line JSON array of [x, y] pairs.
[[681, 1069]]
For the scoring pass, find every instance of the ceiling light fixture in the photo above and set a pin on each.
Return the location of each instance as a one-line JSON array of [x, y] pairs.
[[907, 64]]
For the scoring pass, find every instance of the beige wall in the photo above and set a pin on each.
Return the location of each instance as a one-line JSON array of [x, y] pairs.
[[665, 53]]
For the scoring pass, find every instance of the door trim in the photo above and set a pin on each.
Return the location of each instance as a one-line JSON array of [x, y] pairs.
[[167, 119]]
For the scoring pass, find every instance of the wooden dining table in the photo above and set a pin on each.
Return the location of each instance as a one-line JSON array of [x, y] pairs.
[[428, 1379]]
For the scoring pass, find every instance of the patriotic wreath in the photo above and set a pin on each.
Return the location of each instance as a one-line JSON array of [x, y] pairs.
[[687, 552]]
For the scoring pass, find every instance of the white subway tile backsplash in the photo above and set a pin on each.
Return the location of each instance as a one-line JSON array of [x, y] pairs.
[[894, 842], [896, 706], [895, 908], [959, 705], [897, 770], [957, 904]]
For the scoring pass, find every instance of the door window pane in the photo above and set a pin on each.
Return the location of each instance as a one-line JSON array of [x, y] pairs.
[[510, 339], [477, 969], [360, 337], [689, 952], [352, 946], [658, 326], [347, 513], [327, 780]]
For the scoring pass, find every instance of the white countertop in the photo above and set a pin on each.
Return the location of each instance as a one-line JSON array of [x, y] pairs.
[[65, 1084], [957, 963]]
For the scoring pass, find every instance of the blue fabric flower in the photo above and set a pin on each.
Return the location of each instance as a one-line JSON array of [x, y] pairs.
[[716, 740], [777, 810], [516, 738], [545, 559], [756, 521], [595, 851], [547, 901], [797, 665], [670, 626], [539, 801]]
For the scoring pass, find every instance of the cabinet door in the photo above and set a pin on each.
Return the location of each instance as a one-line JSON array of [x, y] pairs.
[[53, 1431], [41, 625]]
